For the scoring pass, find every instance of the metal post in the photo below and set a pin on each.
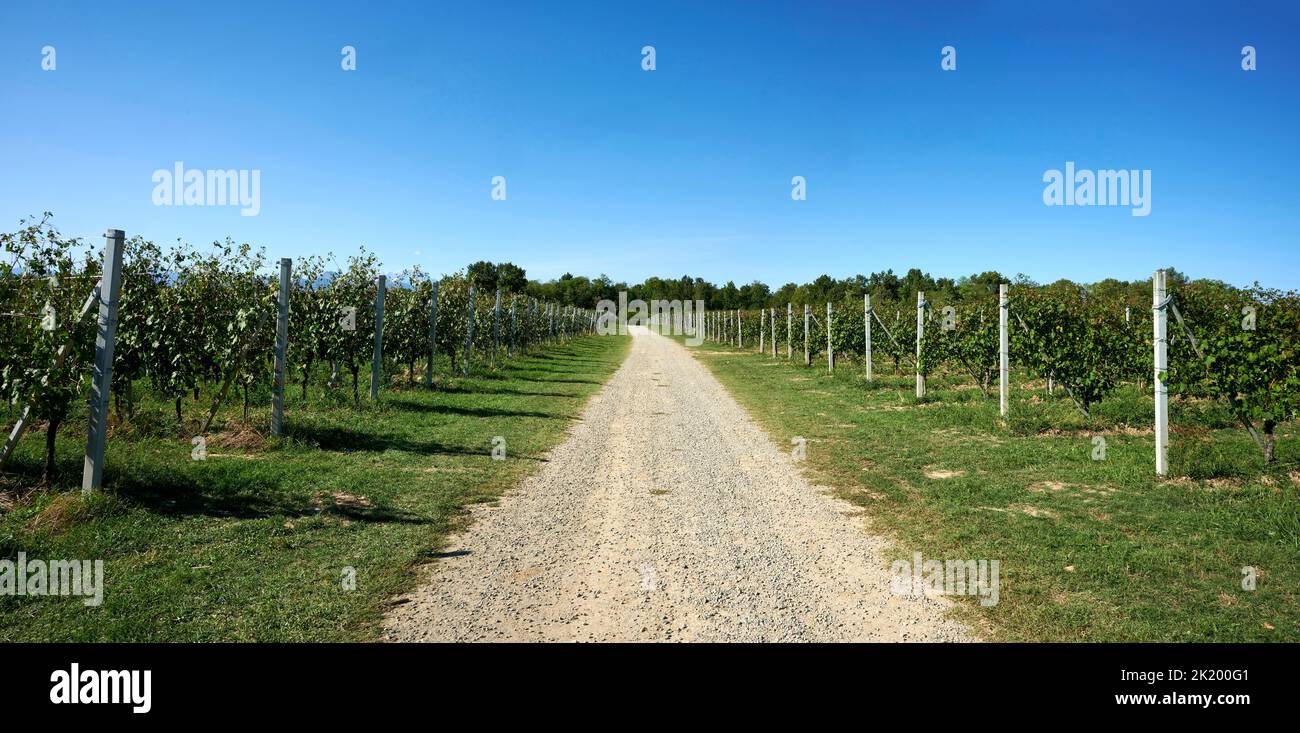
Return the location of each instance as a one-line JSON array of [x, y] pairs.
[[920, 334], [1160, 317], [866, 318], [830, 347], [92, 472], [1004, 352], [281, 348], [433, 336], [377, 364]]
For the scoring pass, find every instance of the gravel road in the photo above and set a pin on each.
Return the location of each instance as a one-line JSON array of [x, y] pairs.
[[667, 515]]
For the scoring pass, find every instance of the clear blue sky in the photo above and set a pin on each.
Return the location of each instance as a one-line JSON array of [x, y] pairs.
[[686, 169]]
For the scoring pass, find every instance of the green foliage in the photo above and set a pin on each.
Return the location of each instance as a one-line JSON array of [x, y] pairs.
[[1249, 343]]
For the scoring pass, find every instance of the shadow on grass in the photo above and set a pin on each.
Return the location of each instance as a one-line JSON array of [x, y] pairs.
[[230, 493], [346, 440], [412, 406]]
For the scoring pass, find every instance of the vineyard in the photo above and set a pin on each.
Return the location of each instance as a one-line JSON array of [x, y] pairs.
[[1229, 350], [1057, 473], [261, 432], [189, 325]]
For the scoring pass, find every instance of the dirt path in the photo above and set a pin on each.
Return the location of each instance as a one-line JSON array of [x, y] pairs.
[[666, 515]]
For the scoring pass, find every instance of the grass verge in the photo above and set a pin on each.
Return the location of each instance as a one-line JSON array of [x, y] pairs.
[[1090, 550], [253, 542]]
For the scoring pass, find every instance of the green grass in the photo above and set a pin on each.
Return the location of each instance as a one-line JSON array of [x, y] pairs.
[[1089, 550], [251, 543]]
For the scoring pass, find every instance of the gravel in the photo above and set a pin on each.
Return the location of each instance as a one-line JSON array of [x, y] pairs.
[[667, 515]]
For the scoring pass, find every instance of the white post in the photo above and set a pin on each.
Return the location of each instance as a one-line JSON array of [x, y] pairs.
[[920, 334], [281, 347], [1161, 370], [866, 314], [110, 285], [830, 349], [1004, 351], [762, 325]]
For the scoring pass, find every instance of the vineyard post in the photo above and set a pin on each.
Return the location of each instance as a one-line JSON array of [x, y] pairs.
[[469, 333], [281, 346], [1004, 351], [830, 347], [514, 324], [866, 317], [740, 332], [807, 358], [920, 334], [377, 362], [789, 330], [1126, 314], [433, 336], [773, 312], [1160, 318], [496, 328], [92, 473], [762, 318]]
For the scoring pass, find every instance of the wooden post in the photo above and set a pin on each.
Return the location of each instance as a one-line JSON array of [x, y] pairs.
[[92, 472], [281, 348], [920, 334], [830, 347], [1159, 316], [1004, 351], [807, 317], [740, 332], [377, 362], [496, 329], [762, 325], [866, 318], [433, 336], [469, 335], [789, 330]]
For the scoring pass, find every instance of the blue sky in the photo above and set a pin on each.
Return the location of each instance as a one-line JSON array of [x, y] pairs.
[[686, 169]]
